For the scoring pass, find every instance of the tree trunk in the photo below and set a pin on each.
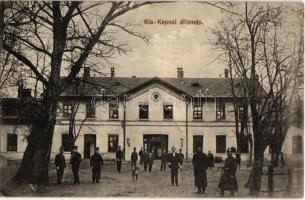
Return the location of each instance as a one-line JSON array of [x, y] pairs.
[[34, 165]]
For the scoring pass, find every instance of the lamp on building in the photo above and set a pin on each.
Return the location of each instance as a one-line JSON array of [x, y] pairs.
[[181, 142], [128, 142]]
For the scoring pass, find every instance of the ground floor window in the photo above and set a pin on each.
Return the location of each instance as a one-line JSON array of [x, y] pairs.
[[113, 142], [11, 142], [297, 144], [197, 142], [220, 144], [66, 142], [244, 144]]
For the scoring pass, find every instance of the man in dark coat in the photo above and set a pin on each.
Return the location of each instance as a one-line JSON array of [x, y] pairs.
[[141, 155], [174, 165], [181, 156], [238, 160], [228, 178], [60, 164], [211, 160], [96, 162], [200, 163], [145, 159], [150, 160], [75, 160], [119, 158], [134, 158], [163, 160]]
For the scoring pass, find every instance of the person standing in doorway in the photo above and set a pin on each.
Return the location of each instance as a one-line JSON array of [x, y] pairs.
[[96, 162], [163, 160], [60, 164], [141, 155], [201, 164], [150, 161], [75, 160], [174, 165], [145, 159], [119, 158], [134, 158]]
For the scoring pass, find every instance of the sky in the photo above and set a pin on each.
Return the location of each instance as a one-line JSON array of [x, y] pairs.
[[172, 46]]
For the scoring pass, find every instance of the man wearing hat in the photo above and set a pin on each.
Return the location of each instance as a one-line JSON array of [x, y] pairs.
[[75, 160], [96, 163], [228, 178], [174, 165], [200, 163]]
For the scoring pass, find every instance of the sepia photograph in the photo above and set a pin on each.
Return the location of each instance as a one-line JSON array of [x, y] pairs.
[[152, 99]]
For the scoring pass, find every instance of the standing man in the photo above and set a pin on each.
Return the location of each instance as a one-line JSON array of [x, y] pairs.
[[145, 159], [201, 164], [228, 178], [60, 164], [211, 160], [181, 156], [141, 155], [238, 159], [163, 160], [75, 160], [96, 163], [150, 161], [119, 158], [134, 158], [174, 165]]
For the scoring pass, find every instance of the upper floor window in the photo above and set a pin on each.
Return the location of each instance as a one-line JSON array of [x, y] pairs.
[[220, 110], [113, 142], [67, 110], [90, 110], [168, 111], [143, 111], [11, 142], [197, 110], [242, 110], [113, 110]]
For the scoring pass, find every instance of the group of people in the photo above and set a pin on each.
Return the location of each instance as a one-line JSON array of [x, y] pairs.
[[201, 162]]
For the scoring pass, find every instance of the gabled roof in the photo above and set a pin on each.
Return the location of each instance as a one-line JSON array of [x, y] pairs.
[[218, 87]]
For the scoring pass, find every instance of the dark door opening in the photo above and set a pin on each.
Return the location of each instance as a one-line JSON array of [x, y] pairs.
[[197, 142], [90, 144], [156, 144]]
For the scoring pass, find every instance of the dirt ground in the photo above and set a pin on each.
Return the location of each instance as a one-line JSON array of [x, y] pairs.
[[154, 184]]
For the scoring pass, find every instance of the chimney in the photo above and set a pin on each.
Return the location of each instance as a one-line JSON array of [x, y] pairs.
[[112, 74], [180, 72], [86, 72], [226, 73]]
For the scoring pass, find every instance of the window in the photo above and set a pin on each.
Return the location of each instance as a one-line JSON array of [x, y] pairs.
[[90, 110], [11, 142], [197, 110], [241, 111], [220, 144], [168, 111], [113, 110], [297, 144], [197, 142], [143, 111], [66, 142], [113, 141], [67, 110], [220, 110]]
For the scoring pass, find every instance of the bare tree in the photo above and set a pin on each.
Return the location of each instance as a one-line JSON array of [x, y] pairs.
[[253, 46], [55, 29]]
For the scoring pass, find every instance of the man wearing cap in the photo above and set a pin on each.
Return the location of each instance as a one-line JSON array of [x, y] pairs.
[[200, 163], [60, 164], [119, 158], [96, 163], [228, 178], [174, 165], [75, 160]]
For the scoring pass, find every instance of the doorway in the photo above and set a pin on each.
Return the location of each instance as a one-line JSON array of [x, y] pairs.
[[90, 144], [156, 144]]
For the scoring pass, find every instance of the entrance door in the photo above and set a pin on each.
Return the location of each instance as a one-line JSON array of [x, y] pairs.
[[197, 142], [90, 144], [156, 144]]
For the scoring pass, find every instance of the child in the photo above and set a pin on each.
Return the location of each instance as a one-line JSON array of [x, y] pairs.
[[135, 172]]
